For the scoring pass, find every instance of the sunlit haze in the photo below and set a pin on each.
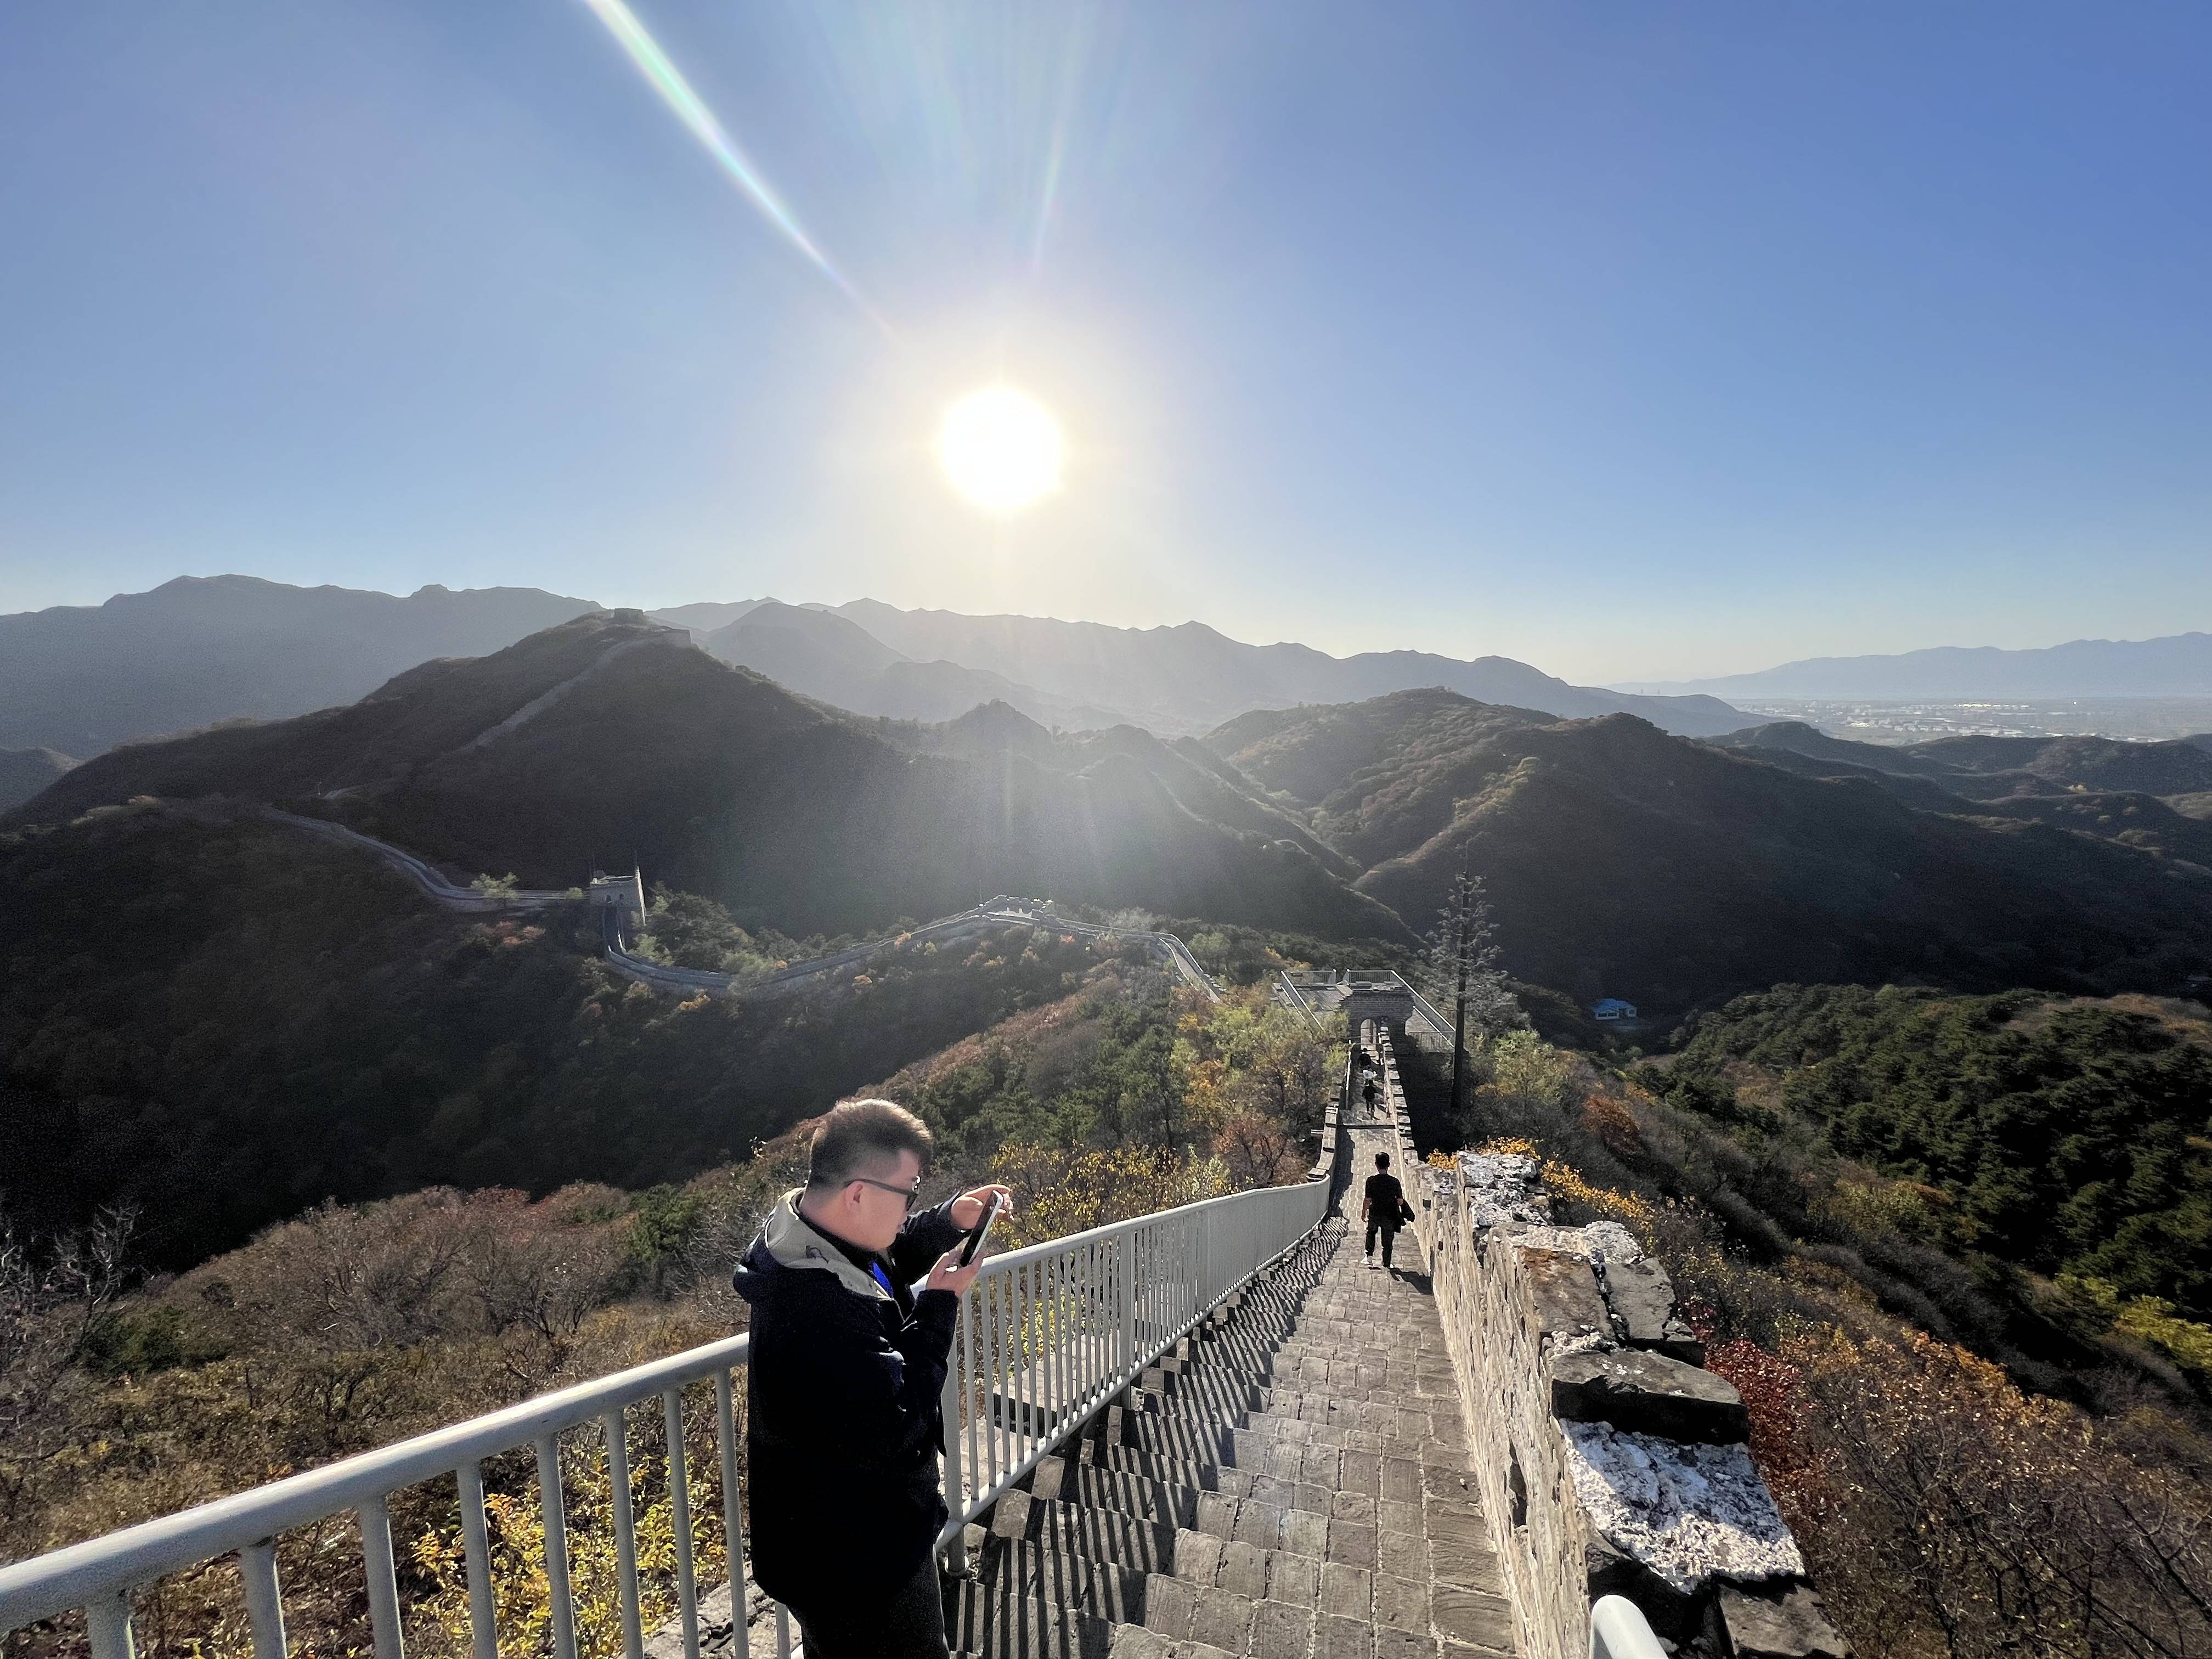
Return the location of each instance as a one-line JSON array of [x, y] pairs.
[[1000, 449], [1632, 343]]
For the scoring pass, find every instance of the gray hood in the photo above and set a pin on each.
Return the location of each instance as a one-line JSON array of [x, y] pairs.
[[787, 1238]]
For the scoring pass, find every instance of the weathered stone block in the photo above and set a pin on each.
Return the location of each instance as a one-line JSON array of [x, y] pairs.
[[1346, 1592], [1783, 1620], [1243, 1569], [1222, 1618], [1501, 1190], [1474, 1617], [1132, 1642], [1648, 1393], [1197, 1556], [1168, 1605], [1642, 1297], [1293, 1578], [1048, 1478], [1280, 1630], [1564, 1303], [1401, 1603], [1009, 1515], [1343, 1639], [1305, 1533], [1686, 1512], [1352, 1544]]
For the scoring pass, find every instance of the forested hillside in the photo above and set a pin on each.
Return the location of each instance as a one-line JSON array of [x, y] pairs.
[[1622, 861], [612, 739], [223, 1021], [1979, 1459], [2069, 1138]]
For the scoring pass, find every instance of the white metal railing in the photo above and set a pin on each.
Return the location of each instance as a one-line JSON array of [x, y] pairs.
[[1046, 1334], [99, 1575], [1049, 1334]]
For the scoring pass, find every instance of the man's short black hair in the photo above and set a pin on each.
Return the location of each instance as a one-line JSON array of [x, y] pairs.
[[860, 1135], [1382, 1160]]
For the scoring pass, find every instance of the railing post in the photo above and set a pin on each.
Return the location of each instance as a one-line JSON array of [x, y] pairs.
[[383, 1583], [679, 1497], [1126, 1251], [948, 1416], [562, 1608], [625, 1536], [1202, 1267], [733, 1505], [265, 1598], [476, 1548], [107, 1620]]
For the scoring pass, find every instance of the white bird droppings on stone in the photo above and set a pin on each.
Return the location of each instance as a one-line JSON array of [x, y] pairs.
[[1690, 1513], [1502, 1188], [1619, 1245]]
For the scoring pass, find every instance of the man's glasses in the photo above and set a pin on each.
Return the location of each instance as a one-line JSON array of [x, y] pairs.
[[910, 1194]]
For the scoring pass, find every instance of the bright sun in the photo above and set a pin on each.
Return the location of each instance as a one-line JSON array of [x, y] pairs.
[[1000, 449]]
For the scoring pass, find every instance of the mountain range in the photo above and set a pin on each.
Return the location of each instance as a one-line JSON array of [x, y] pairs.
[[611, 738], [1622, 860], [2179, 665], [198, 650], [830, 657], [1187, 679]]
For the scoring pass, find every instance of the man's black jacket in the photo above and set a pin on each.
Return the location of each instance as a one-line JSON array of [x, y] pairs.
[[842, 1436], [1385, 1201]]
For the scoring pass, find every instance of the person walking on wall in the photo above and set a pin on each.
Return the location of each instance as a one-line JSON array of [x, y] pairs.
[[1385, 1211], [843, 1384]]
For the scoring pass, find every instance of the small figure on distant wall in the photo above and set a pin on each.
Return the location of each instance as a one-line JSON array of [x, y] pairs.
[[847, 1364], [1367, 1092], [1385, 1211]]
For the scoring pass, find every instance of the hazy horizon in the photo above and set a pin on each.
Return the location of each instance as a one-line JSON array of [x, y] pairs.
[[1638, 348], [1228, 628]]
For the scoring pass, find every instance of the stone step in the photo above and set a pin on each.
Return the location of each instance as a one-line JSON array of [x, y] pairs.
[[1029, 1598], [1181, 1438], [1225, 1479], [1289, 1480]]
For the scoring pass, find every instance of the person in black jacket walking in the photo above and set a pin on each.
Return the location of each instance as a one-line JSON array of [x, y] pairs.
[[846, 1364], [1385, 1211]]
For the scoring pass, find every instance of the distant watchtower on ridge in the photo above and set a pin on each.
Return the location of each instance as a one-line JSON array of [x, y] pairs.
[[619, 893]]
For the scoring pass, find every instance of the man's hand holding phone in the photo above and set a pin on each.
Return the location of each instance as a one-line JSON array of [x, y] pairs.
[[977, 1211], [968, 1208], [948, 1275]]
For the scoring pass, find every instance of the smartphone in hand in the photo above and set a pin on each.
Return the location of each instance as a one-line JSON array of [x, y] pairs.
[[980, 1232]]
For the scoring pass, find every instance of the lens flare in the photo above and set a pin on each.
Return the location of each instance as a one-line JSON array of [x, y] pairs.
[[665, 79], [1000, 449]]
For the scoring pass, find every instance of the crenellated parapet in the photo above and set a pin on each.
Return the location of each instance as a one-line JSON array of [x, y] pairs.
[[1610, 1462]]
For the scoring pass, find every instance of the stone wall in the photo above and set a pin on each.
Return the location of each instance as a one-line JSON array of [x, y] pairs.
[[1610, 1462]]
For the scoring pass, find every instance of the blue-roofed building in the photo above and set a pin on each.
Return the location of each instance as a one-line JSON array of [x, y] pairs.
[[1612, 1008]]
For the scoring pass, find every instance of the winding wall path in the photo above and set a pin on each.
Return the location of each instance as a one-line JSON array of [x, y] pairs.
[[1004, 911]]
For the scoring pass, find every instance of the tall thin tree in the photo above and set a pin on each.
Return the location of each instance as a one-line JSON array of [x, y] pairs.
[[1463, 965]]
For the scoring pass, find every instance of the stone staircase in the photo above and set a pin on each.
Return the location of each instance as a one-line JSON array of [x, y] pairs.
[[1292, 1480]]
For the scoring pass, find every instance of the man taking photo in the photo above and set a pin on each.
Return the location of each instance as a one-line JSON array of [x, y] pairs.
[[847, 1365]]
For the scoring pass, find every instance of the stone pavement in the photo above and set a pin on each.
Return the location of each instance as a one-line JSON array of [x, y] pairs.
[[1292, 1483]]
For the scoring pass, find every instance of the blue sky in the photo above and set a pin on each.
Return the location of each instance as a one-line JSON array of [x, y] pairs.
[[1633, 342]]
